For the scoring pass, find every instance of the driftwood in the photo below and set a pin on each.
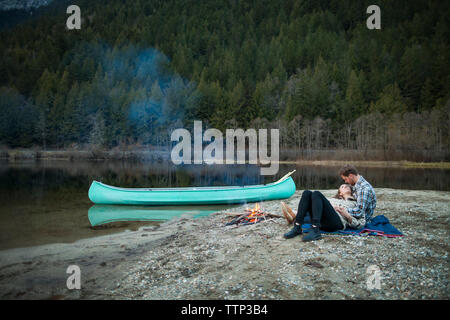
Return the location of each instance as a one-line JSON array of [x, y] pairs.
[[273, 215], [234, 214]]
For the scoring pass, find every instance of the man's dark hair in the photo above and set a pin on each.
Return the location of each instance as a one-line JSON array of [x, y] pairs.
[[347, 170]]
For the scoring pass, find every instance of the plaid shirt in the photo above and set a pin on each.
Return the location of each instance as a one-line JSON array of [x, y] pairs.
[[366, 201]]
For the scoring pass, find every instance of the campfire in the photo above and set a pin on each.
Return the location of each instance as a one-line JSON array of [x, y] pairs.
[[251, 216]]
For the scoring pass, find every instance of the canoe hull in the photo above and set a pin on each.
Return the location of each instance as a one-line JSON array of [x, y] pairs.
[[100, 193]]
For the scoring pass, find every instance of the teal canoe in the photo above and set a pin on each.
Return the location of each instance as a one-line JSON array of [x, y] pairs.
[[101, 193]]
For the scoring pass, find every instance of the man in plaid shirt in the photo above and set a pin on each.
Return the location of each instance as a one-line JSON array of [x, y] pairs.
[[366, 201]]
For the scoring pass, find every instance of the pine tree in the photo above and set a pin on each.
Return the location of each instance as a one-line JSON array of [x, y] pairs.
[[390, 101], [354, 100], [427, 95], [413, 70]]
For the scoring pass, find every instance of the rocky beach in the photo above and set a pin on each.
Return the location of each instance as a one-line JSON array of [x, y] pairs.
[[202, 258]]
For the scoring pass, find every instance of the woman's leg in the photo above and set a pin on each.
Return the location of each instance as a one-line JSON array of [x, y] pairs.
[[323, 214], [304, 206]]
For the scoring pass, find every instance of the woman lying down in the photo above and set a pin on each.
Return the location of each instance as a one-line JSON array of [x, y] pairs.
[[324, 213]]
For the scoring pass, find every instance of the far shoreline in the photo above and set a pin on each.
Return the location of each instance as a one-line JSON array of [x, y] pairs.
[[157, 154]]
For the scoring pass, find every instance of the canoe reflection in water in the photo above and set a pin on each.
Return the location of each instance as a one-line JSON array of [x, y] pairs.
[[102, 214]]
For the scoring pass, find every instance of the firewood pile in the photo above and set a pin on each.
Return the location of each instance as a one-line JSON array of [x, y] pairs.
[[251, 216]]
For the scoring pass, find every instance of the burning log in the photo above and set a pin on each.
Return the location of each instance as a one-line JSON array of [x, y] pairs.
[[236, 220]]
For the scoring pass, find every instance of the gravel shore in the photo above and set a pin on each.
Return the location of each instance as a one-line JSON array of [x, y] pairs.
[[203, 259]]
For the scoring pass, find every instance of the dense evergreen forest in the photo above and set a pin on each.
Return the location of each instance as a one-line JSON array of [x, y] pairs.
[[138, 69]]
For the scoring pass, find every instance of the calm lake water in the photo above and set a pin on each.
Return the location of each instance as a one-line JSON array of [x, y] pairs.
[[47, 202]]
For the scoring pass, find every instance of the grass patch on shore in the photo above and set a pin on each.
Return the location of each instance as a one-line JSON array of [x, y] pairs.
[[401, 164], [438, 165]]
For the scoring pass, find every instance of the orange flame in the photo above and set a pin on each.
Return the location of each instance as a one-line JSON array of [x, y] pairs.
[[255, 211]]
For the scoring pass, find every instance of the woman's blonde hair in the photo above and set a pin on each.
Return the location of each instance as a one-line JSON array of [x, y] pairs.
[[338, 194]]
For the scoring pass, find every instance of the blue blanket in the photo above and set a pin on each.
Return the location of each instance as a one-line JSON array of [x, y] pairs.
[[379, 226]]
